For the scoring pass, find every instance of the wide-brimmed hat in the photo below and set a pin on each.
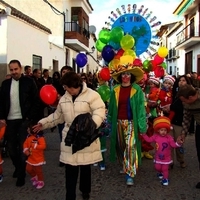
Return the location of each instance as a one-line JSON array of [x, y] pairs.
[[126, 65]]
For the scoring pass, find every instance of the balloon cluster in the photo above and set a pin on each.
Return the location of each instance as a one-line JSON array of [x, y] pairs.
[[157, 65], [114, 45]]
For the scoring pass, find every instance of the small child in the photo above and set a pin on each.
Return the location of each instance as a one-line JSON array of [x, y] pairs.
[[34, 147], [2, 131], [104, 133], [164, 142], [165, 95], [154, 92]]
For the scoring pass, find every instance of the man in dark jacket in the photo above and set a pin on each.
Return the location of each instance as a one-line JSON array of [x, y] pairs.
[[18, 105]]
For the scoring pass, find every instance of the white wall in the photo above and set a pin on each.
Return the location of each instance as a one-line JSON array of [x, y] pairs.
[[25, 40], [3, 41]]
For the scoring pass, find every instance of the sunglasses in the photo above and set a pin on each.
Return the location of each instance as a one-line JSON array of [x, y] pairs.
[[83, 78]]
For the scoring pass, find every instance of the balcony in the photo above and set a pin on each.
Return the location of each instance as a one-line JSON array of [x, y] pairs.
[[172, 55], [187, 37], [76, 37]]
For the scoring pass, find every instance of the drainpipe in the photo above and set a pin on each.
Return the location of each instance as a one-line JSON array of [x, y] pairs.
[[59, 13]]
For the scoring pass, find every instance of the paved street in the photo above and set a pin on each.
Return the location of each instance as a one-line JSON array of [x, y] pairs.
[[109, 184]]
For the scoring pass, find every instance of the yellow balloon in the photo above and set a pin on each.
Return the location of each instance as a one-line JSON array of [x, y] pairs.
[[113, 64], [162, 52], [130, 52], [124, 60]]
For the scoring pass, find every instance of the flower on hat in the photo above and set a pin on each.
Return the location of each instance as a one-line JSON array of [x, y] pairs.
[[125, 64], [169, 78], [161, 122]]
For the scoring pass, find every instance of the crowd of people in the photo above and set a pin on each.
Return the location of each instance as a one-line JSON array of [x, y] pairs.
[[141, 110]]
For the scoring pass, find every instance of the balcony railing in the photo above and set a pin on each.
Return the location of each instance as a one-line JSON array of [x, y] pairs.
[[74, 27], [75, 32], [188, 32]]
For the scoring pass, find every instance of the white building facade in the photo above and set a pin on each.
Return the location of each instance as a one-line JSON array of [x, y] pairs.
[[44, 34]]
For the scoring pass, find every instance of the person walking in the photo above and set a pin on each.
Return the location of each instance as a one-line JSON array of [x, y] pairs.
[[33, 148], [18, 104], [190, 97], [164, 142], [176, 117], [127, 115], [78, 99]]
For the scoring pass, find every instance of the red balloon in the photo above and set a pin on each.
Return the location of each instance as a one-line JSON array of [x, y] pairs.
[[120, 52], [105, 74], [137, 62], [158, 60], [159, 72], [48, 94]]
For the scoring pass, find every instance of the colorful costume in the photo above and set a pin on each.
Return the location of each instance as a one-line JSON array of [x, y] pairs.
[[134, 125], [36, 145], [165, 95], [163, 147]]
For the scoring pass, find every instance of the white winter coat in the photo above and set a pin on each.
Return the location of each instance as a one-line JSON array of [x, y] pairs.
[[87, 101]]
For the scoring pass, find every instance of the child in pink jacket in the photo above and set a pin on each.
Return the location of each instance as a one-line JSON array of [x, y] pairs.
[[164, 142]]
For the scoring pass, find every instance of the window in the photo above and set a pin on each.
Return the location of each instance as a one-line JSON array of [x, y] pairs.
[[37, 62]]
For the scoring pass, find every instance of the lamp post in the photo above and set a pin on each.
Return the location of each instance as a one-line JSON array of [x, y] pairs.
[[90, 54]]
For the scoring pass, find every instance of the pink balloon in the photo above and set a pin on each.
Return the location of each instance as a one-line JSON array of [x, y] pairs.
[[48, 94]]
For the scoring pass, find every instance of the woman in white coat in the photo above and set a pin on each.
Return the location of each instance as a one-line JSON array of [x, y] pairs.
[[78, 99]]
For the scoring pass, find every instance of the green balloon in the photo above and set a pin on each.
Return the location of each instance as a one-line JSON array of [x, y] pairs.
[[99, 45], [104, 36], [116, 34], [164, 65], [104, 92]]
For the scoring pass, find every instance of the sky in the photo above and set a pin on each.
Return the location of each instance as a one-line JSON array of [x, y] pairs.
[[162, 9]]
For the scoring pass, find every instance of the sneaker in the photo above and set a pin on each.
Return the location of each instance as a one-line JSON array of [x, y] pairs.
[[160, 175], [1, 178], [121, 171], [95, 164], [102, 167], [129, 180], [40, 184], [165, 181], [34, 180]]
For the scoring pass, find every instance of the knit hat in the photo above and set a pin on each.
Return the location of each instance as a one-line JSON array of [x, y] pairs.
[[169, 78], [154, 80], [161, 122]]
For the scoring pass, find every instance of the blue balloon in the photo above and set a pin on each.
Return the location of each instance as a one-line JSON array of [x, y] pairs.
[[108, 53], [81, 60], [116, 46]]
